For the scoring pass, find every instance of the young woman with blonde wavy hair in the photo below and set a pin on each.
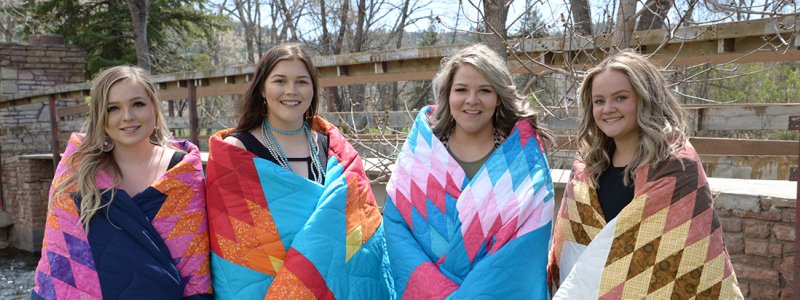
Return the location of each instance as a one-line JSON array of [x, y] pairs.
[[470, 203], [637, 219], [126, 216]]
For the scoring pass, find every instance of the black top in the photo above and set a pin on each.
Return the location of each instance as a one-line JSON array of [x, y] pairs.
[[612, 192], [177, 157], [252, 144]]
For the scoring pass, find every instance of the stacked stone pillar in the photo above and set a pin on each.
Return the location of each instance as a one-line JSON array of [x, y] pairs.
[[25, 130]]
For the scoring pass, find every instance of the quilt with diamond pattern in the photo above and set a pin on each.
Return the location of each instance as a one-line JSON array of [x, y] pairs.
[[666, 244], [153, 245], [450, 236]]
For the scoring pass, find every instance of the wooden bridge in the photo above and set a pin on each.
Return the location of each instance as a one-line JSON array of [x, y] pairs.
[[765, 40]]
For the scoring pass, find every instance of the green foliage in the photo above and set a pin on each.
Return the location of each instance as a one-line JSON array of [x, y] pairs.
[[745, 83], [430, 36], [104, 28], [742, 83]]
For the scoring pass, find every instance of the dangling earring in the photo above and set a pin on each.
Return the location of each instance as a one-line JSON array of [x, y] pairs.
[[154, 137], [108, 144]]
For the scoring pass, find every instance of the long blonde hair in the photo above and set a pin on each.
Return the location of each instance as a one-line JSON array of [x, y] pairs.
[[512, 106], [661, 120], [88, 158]]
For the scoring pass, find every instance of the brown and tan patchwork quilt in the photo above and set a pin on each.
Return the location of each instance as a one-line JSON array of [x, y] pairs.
[[666, 244]]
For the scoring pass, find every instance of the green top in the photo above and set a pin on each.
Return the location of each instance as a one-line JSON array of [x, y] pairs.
[[470, 167]]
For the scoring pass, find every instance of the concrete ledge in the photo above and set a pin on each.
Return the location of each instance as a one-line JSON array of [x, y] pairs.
[[48, 156], [777, 189]]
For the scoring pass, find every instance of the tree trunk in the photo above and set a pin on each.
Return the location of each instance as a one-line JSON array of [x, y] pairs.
[[653, 18], [140, 11], [6, 25], [394, 95], [623, 31], [345, 10], [495, 13], [326, 36], [581, 16], [287, 14], [328, 93], [337, 48], [258, 40], [357, 92], [249, 33]]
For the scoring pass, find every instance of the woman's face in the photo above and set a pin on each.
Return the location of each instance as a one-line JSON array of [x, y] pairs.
[[614, 106], [288, 90], [472, 101], [131, 114]]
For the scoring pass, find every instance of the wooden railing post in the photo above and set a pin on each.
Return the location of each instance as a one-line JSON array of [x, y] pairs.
[[194, 132], [2, 199], [794, 124], [54, 131]]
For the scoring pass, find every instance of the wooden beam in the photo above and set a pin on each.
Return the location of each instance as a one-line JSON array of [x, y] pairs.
[[2, 198], [194, 132], [54, 131]]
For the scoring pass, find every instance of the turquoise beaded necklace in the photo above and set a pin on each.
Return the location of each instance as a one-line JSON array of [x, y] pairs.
[[275, 148], [291, 132]]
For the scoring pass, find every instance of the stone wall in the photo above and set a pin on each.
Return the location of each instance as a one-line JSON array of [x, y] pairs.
[[27, 201], [760, 240], [45, 62]]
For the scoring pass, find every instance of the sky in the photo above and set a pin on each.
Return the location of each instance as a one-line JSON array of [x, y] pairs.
[[463, 15], [448, 10], [552, 12]]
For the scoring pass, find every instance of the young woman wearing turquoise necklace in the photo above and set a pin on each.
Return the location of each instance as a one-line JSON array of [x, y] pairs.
[[275, 212], [287, 91]]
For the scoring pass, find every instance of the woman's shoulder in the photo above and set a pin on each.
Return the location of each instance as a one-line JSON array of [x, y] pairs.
[[680, 163], [232, 140], [230, 136]]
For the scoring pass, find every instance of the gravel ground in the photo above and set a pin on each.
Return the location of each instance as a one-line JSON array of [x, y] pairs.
[[17, 273]]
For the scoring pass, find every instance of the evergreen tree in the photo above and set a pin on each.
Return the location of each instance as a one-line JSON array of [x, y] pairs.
[[105, 30]]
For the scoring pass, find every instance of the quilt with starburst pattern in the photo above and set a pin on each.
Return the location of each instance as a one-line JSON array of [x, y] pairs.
[[277, 235]]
